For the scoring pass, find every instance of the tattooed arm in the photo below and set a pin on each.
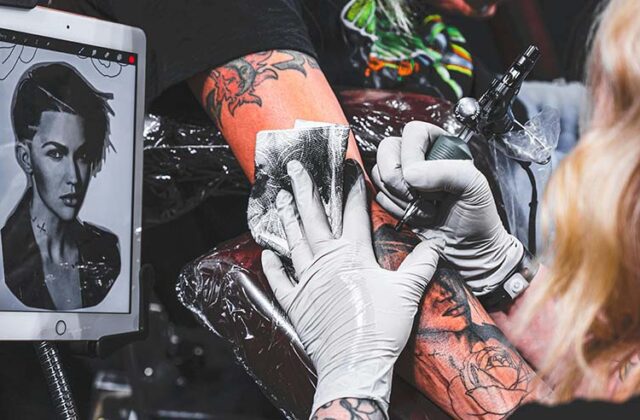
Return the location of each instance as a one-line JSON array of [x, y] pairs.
[[267, 91], [349, 409], [457, 356]]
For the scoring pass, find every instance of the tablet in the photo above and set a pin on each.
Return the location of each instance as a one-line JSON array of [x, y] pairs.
[[71, 123]]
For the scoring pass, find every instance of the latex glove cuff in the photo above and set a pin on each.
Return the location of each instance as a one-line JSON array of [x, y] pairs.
[[370, 381], [513, 285]]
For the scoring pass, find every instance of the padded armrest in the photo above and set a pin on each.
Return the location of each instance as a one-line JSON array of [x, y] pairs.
[[230, 295]]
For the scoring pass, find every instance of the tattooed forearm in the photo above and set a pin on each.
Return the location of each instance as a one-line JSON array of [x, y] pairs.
[[235, 83], [457, 357], [349, 409]]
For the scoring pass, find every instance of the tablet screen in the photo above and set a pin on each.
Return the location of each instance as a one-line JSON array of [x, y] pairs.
[[67, 130]]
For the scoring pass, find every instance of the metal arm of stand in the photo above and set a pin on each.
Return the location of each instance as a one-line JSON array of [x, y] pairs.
[[57, 382]]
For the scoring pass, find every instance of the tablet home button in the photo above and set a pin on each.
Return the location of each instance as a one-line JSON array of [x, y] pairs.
[[61, 327]]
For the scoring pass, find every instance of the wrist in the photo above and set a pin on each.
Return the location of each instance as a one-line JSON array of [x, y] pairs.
[[514, 285], [495, 264], [367, 381]]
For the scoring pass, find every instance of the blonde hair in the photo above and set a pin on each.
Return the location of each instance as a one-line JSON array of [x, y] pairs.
[[593, 205]]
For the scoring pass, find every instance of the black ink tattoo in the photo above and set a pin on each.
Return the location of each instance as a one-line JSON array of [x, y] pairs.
[[235, 83], [488, 373], [41, 228], [297, 62], [349, 408]]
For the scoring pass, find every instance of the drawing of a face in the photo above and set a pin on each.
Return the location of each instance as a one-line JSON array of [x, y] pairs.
[[449, 307], [59, 163]]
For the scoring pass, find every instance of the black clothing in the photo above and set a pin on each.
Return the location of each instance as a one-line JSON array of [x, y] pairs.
[[580, 409], [23, 271], [191, 36], [187, 37]]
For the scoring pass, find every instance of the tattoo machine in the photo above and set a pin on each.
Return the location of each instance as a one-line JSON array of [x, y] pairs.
[[489, 116]]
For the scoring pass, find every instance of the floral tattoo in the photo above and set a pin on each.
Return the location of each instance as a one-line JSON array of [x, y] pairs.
[[460, 359]]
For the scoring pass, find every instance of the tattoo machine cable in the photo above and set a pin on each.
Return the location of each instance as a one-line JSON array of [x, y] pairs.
[[489, 116]]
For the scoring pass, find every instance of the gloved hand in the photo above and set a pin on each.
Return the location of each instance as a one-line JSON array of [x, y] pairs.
[[353, 317], [476, 242]]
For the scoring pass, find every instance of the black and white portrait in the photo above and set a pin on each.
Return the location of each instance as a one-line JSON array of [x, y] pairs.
[[64, 245]]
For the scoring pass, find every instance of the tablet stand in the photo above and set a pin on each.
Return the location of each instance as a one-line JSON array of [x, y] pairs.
[[54, 372]]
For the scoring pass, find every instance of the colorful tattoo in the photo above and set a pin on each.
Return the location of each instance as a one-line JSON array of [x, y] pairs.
[[235, 83], [349, 409], [393, 54]]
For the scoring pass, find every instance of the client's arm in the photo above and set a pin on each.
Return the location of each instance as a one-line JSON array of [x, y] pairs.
[[267, 91]]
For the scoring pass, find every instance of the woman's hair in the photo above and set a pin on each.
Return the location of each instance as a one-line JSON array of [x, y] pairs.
[[593, 209], [59, 87]]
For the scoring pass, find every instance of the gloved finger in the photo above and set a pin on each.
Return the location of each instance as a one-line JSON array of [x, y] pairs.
[[376, 179], [310, 208], [276, 275], [389, 170], [391, 207], [356, 220], [421, 263], [451, 176], [417, 138], [425, 215], [301, 254]]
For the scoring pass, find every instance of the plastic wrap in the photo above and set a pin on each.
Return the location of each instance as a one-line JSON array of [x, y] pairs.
[[229, 294], [183, 165], [535, 145], [536, 141]]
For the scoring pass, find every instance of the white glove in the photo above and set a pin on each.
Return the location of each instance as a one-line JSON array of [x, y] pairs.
[[353, 317], [476, 242]]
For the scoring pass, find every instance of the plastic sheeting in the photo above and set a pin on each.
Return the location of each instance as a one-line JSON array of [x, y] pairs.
[[183, 165], [230, 295]]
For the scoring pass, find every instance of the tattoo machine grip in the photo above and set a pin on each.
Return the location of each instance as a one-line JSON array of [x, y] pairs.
[[444, 148], [449, 148]]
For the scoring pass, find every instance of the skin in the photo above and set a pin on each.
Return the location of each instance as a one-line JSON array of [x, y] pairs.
[[464, 359], [349, 408], [55, 161], [270, 90], [532, 345], [451, 311]]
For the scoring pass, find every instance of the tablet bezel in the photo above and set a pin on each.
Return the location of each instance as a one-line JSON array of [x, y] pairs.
[[65, 326]]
